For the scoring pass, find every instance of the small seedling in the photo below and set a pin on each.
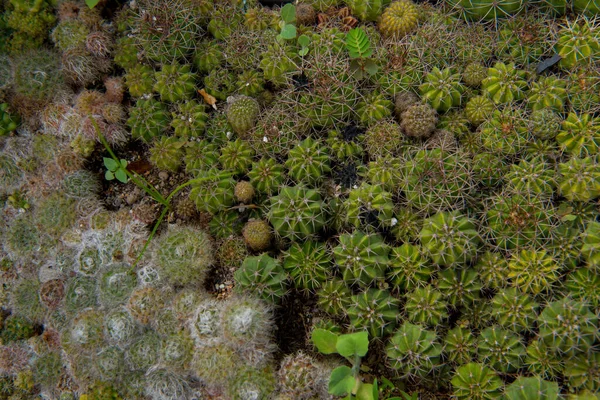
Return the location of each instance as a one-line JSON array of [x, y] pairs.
[[360, 51], [92, 3], [288, 17], [116, 170]]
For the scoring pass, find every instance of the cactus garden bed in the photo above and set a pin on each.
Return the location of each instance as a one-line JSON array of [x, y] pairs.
[[327, 199]]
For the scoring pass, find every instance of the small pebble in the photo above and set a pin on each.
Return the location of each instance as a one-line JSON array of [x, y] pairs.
[[131, 198], [163, 175]]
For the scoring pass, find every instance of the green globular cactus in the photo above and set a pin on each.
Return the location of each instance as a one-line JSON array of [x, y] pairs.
[[478, 109], [590, 248], [22, 238], [309, 265], [367, 10], [437, 179], [409, 267], [362, 258], [449, 238], [110, 362], [505, 132], [37, 74], [474, 381], [214, 193], [126, 53], [384, 138], [250, 83], [266, 175], [16, 328], [166, 153], [419, 120], [505, 83], [120, 327], [369, 206], [459, 287], [531, 176], [385, 172], [277, 62], [413, 351], [460, 345], [442, 89], [115, 284], [297, 213], [308, 161], [220, 83], [533, 271], [262, 276], [582, 372], [534, 388], [56, 213], [189, 119], [582, 90], [242, 113], [547, 92], [540, 361], [399, 19], [514, 310], [257, 235], [501, 349], [177, 350], [216, 363], [524, 40], [143, 352], [232, 252], [586, 7], [330, 102], [8, 120], [373, 310], [334, 297], [183, 255], [200, 156], [426, 306], [225, 223], [568, 327], [580, 179], [175, 83], [374, 107], [473, 74], [489, 10], [578, 43], [345, 145], [236, 156], [208, 56], [145, 304], [148, 119], [140, 80], [581, 285], [580, 135], [69, 34], [81, 293]]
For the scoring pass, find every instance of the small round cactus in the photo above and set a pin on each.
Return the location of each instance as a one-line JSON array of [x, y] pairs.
[[120, 328], [244, 192], [413, 351], [236, 156], [578, 43], [580, 135], [473, 74], [257, 234], [263, 276], [419, 120], [505, 83], [442, 89], [148, 119], [449, 238], [362, 257], [166, 153], [308, 264], [459, 287], [399, 19], [184, 255], [460, 345], [580, 178], [143, 352], [524, 388], [297, 212], [87, 329], [266, 175], [116, 283], [478, 109], [382, 139], [242, 113], [426, 306], [246, 321], [514, 310], [15, 328], [334, 297], [175, 82], [548, 92], [533, 271], [369, 207], [145, 303], [213, 191], [373, 108], [373, 310], [301, 377], [409, 267], [308, 162], [501, 349], [475, 381]]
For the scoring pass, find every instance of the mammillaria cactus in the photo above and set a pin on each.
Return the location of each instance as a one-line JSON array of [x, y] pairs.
[[242, 113], [419, 120], [257, 235], [413, 351]]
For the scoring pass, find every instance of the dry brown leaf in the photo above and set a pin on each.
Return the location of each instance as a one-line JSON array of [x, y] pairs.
[[208, 99]]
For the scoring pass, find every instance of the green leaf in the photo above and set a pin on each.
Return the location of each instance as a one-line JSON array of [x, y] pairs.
[[568, 218], [92, 3], [357, 69], [121, 175], [288, 13], [124, 163], [353, 344], [365, 392], [371, 67], [341, 381], [288, 32], [325, 341], [303, 51], [358, 44], [110, 164], [303, 40], [109, 176]]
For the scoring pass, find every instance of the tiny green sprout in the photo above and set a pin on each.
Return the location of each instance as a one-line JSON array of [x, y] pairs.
[[360, 51], [18, 201], [92, 3], [288, 18], [115, 170], [303, 41]]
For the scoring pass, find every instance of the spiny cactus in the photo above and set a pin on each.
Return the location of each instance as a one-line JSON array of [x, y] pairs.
[[426, 306], [145, 304], [413, 351], [263, 276], [362, 257], [214, 192], [399, 19], [308, 162], [582, 371], [15, 328], [442, 89], [449, 238], [266, 175], [540, 363], [505, 83], [409, 267], [334, 297], [591, 244], [166, 153], [373, 310], [580, 135], [533, 271], [460, 345], [578, 43], [384, 138], [297, 212], [116, 283], [148, 119], [514, 310], [419, 120], [477, 382], [143, 352], [242, 113], [369, 206], [120, 327], [547, 92], [373, 108], [247, 324], [478, 109], [524, 388], [189, 119], [459, 287], [308, 264], [236, 156], [533, 176], [257, 235], [8, 120]]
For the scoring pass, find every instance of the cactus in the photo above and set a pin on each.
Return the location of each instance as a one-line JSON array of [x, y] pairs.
[[297, 213], [479, 109], [175, 83], [15, 328], [220, 83], [252, 383], [56, 213], [244, 192], [176, 350], [166, 153], [22, 238], [87, 330], [547, 92], [216, 363], [236, 156], [81, 294], [205, 324], [362, 257], [437, 179], [69, 34], [540, 361], [266, 175], [384, 138], [257, 235], [531, 176], [460, 345], [165, 384], [116, 284], [373, 108], [247, 323], [301, 377], [591, 244], [81, 68], [524, 388], [477, 382], [409, 267], [582, 371], [145, 303], [183, 255], [37, 74], [262, 276], [208, 56], [419, 120], [148, 119], [442, 89], [369, 206], [8, 121], [473, 74], [578, 43], [505, 132], [580, 135], [460, 287], [413, 351], [373, 310], [189, 119], [367, 10], [568, 327], [308, 264], [120, 327], [426, 306], [242, 113], [214, 193], [308, 162], [47, 368], [505, 83], [489, 10], [533, 271], [399, 19], [514, 310], [582, 92], [110, 362], [449, 238], [143, 352], [140, 80], [385, 172], [200, 156], [334, 297]]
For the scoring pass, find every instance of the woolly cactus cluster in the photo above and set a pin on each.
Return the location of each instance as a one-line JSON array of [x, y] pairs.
[[433, 185]]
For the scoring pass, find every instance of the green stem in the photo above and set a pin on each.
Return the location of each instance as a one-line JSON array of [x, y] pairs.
[[152, 233]]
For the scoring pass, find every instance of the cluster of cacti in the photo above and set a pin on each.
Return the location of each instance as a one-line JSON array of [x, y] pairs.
[[434, 186]]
